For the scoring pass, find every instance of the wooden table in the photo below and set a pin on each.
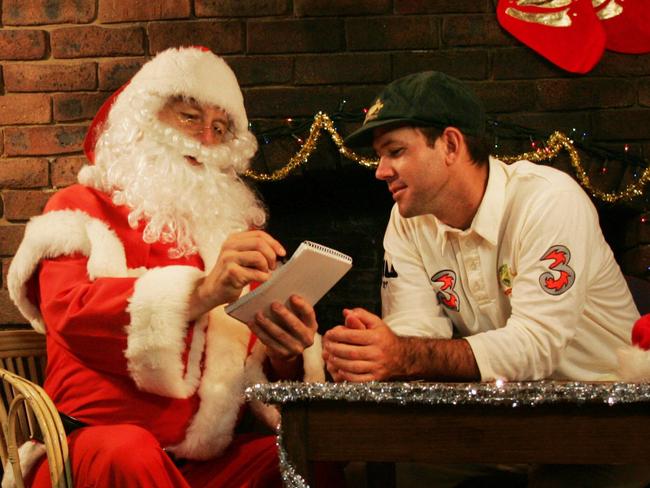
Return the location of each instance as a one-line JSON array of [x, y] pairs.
[[539, 422]]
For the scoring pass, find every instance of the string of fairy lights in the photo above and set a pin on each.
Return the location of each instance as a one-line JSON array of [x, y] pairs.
[[544, 148]]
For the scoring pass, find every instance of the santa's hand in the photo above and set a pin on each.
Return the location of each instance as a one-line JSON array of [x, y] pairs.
[[286, 333], [245, 257]]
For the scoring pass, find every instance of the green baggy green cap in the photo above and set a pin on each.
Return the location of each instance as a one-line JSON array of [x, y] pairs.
[[429, 98]]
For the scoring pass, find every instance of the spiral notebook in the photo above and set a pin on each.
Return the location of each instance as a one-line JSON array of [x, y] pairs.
[[311, 272]]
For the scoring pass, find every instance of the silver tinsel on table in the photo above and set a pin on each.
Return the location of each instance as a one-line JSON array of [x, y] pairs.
[[499, 393]]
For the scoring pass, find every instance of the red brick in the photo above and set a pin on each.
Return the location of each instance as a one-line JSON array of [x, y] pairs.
[[621, 124], [441, 6], [237, 8], [93, 41], [221, 36], [309, 8], [285, 102], [77, 106], [618, 64], [120, 11], [9, 314], [25, 108], [22, 44], [644, 93], [23, 204], [64, 170], [470, 64], [506, 96], [43, 141], [474, 30], [581, 93], [50, 77], [115, 72], [10, 237], [23, 173], [379, 33], [262, 70], [342, 68], [6, 262], [547, 122], [357, 100], [297, 36], [522, 63], [35, 12]]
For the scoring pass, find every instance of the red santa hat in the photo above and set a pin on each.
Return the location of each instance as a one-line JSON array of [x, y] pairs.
[[635, 361], [193, 72]]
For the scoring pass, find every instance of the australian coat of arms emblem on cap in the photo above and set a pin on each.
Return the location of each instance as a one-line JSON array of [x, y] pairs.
[[373, 111]]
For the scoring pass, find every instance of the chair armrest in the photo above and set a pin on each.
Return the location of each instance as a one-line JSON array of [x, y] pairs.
[[29, 400]]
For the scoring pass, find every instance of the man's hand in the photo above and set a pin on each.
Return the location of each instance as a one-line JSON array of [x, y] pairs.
[[245, 257], [364, 349], [286, 334]]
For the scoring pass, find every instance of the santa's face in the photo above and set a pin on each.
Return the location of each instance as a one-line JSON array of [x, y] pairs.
[[207, 124], [142, 158]]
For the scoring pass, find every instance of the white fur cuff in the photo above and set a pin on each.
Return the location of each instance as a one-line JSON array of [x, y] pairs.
[[29, 454], [634, 364], [156, 335]]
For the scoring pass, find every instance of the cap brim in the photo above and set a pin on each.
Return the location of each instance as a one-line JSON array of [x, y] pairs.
[[363, 136]]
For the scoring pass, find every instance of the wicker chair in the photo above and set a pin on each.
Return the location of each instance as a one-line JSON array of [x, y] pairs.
[[26, 412]]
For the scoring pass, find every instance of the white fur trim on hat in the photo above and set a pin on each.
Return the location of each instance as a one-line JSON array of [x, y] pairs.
[[59, 233], [189, 72]]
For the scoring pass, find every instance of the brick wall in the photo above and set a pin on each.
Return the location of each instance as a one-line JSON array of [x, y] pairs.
[[60, 59]]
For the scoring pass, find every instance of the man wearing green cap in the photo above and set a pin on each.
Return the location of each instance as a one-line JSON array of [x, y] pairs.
[[491, 271]]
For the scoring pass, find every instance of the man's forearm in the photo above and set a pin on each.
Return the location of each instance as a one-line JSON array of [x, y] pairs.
[[437, 359]]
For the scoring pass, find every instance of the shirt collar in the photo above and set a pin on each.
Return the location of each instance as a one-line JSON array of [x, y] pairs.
[[487, 221]]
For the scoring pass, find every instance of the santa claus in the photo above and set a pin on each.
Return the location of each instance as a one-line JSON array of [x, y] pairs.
[[127, 273]]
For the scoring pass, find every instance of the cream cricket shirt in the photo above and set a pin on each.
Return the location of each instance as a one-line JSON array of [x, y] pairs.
[[532, 285]]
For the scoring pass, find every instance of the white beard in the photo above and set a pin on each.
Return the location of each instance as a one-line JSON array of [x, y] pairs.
[[141, 163]]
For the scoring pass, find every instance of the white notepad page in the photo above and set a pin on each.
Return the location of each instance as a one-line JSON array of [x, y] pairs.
[[311, 272]]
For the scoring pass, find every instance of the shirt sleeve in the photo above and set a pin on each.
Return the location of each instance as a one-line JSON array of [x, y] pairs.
[[548, 289], [409, 303]]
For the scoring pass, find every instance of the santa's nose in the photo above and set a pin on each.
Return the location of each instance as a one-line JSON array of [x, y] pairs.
[[207, 137]]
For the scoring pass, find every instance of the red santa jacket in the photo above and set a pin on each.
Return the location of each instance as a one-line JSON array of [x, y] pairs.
[[120, 348]]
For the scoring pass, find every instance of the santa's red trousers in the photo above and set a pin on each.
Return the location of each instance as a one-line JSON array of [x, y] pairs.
[[128, 456]]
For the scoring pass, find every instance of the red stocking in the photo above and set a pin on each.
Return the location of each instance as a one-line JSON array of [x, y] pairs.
[[566, 32], [626, 24]]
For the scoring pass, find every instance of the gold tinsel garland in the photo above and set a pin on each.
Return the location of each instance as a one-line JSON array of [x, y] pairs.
[[321, 121], [556, 142]]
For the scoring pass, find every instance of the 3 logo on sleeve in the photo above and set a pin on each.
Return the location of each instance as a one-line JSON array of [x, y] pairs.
[[561, 277]]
